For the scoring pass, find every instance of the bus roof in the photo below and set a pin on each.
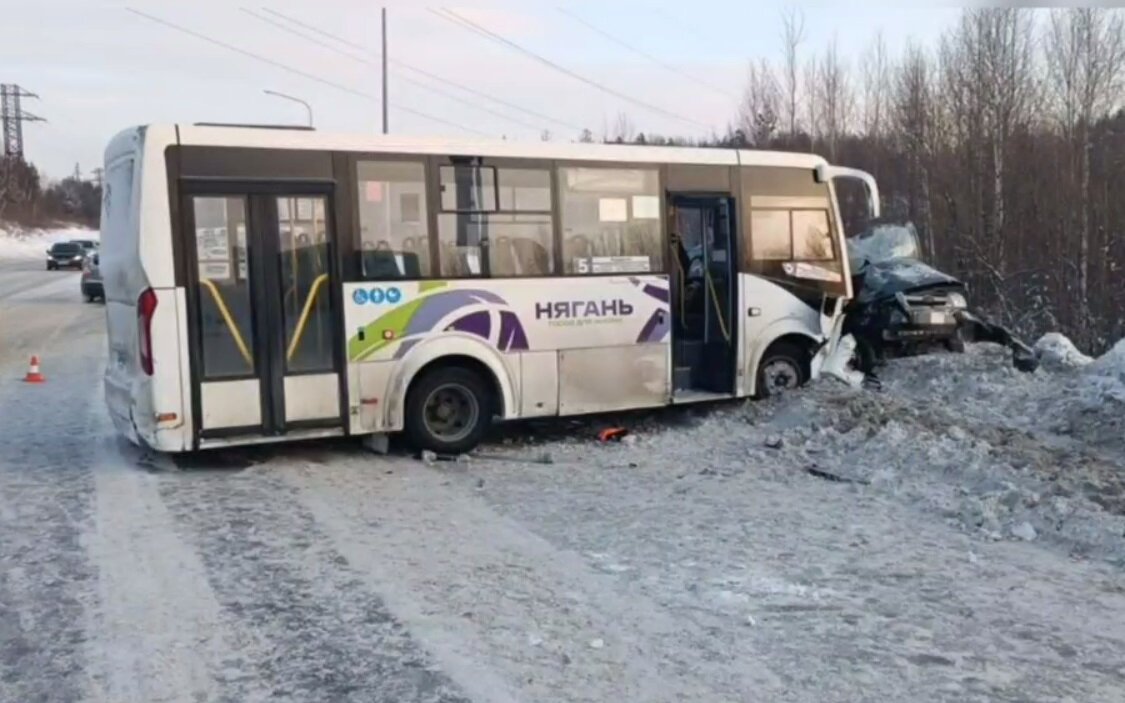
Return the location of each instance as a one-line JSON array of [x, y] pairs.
[[274, 138]]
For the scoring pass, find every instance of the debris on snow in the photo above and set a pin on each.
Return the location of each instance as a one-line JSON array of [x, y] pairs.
[[836, 365], [829, 476], [774, 441], [1025, 531], [428, 457], [597, 643]]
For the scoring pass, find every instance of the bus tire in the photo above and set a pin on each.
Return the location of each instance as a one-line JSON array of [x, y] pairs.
[[448, 410], [784, 366]]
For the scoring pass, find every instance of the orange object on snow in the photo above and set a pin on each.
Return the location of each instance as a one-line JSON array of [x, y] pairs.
[[612, 433], [33, 375]]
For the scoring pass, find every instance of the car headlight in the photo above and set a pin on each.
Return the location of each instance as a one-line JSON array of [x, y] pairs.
[[956, 300]]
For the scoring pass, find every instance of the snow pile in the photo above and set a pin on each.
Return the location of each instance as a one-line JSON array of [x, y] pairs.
[[33, 244], [1057, 352], [1001, 454]]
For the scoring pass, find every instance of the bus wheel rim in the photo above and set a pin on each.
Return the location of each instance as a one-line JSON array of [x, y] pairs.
[[450, 412], [781, 375]]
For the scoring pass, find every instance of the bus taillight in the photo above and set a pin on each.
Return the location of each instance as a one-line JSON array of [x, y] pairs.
[[146, 308]]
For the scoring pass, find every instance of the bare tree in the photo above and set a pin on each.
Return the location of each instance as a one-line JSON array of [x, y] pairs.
[[759, 113], [792, 34], [1009, 82], [876, 86], [623, 130], [812, 103], [834, 94], [913, 118], [1085, 60], [989, 79]]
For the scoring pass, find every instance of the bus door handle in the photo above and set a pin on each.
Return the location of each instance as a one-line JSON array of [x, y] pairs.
[[753, 312]]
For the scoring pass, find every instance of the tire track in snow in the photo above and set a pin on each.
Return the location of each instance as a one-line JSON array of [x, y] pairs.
[[158, 632], [45, 510], [322, 634], [485, 594]]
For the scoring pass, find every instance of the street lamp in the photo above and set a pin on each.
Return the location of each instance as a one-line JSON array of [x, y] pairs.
[[308, 109]]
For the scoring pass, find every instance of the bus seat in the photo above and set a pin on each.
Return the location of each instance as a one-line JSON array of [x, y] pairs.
[[502, 259], [532, 256]]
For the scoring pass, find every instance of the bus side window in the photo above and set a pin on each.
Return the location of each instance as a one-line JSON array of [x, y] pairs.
[[497, 217], [394, 237], [610, 220]]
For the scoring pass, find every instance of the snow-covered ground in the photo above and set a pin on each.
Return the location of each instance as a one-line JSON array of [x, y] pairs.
[[20, 244], [998, 453], [956, 536]]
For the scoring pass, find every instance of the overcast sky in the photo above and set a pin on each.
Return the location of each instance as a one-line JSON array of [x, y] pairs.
[[99, 68]]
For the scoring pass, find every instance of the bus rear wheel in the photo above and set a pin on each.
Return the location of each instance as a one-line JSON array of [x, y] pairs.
[[448, 410]]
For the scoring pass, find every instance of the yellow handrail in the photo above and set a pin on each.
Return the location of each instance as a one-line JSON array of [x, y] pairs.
[[299, 330], [718, 310], [228, 319]]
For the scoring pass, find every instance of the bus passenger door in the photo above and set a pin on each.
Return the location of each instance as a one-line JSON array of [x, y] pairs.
[[262, 283], [704, 331]]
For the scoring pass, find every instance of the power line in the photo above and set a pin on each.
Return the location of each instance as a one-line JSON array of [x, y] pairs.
[[368, 62], [415, 69], [286, 28], [319, 31], [453, 17], [296, 71], [644, 54]]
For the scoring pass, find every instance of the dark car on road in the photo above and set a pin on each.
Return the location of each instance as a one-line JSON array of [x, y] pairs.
[[904, 306], [92, 279], [64, 255]]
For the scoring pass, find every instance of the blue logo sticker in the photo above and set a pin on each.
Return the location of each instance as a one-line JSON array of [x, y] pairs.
[[359, 296], [377, 295], [393, 295]]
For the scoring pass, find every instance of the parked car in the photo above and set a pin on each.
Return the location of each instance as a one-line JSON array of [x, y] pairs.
[[63, 255], [903, 306], [90, 245], [92, 279]]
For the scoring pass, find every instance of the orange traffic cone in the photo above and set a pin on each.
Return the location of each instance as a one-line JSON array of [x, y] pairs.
[[33, 375]]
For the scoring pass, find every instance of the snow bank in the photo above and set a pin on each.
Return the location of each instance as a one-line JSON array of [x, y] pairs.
[[1056, 351], [32, 244], [998, 453]]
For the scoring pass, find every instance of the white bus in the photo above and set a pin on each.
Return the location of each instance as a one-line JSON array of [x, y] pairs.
[[267, 284]]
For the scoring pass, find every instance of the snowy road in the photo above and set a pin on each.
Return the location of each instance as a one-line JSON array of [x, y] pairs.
[[696, 565]]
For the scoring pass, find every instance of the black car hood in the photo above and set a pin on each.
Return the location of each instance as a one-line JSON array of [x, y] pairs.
[[886, 278]]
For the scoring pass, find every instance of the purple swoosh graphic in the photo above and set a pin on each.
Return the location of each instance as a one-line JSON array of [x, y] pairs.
[[404, 347], [656, 327], [438, 305], [512, 336], [660, 294], [478, 323]]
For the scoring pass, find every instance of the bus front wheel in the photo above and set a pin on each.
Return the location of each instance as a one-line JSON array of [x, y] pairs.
[[783, 367], [448, 410]]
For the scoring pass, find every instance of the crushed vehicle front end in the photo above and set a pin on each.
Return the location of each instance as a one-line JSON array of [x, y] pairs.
[[903, 306]]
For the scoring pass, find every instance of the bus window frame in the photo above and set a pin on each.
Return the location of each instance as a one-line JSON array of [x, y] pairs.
[[661, 169], [497, 164]]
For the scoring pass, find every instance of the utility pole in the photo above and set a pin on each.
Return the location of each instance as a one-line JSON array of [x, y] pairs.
[[384, 23], [13, 117]]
